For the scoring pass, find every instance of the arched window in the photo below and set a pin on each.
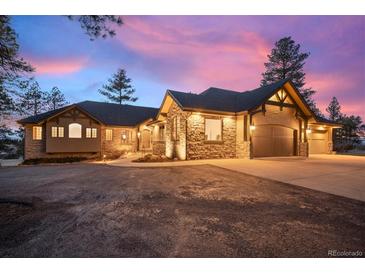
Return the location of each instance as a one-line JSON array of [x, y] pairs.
[[74, 130]]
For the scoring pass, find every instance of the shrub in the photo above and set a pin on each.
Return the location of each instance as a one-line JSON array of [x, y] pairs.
[[150, 158], [37, 161], [114, 155]]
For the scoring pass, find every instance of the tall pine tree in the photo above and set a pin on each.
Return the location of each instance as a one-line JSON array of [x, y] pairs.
[[55, 99], [119, 88], [287, 61], [334, 110], [34, 100]]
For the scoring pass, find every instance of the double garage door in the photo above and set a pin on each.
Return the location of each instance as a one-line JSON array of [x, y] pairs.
[[272, 141]]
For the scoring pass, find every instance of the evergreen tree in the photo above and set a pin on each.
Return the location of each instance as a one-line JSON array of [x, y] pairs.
[[34, 100], [287, 61], [55, 99], [13, 68], [119, 88], [98, 25], [334, 110]]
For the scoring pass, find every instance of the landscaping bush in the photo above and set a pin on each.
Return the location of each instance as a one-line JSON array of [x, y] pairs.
[[114, 155], [54, 160], [150, 158]]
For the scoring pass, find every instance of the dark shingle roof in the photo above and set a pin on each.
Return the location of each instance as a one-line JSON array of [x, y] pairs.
[[107, 113], [226, 100], [325, 120]]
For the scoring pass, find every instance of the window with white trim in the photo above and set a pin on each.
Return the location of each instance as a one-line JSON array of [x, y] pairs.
[[91, 132], [57, 132], [37, 133], [213, 129], [109, 134], [74, 130]]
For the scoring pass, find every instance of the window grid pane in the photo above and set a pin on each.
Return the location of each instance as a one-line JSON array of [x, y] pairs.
[[54, 132], [37, 133], [88, 132], [61, 132], [109, 134], [93, 133]]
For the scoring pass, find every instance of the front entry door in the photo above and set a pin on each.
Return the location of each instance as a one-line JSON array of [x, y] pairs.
[[272, 140], [146, 139]]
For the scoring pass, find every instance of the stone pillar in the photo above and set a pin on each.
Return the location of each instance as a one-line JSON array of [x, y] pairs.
[[303, 149]]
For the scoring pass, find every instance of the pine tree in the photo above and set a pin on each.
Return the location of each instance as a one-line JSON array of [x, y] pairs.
[[13, 68], [334, 110], [33, 101], [287, 61], [55, 99], [119, 88]]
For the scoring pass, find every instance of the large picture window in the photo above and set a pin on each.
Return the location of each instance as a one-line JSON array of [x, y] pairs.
[[213, 129], [74, 130], [126, 136]]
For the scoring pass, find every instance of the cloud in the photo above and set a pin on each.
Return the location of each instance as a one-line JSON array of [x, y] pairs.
[[57, 66], [195, 58]]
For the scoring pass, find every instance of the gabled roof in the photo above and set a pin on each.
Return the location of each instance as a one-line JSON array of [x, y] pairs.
[[106, 113], [217, 99]]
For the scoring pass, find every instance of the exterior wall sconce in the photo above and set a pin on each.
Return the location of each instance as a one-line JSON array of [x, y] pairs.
[[252, 127], [124, 137], [138, 135], [308, 130]]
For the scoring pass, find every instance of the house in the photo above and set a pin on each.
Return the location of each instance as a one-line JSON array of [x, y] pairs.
[[87, 129], [269, 121]]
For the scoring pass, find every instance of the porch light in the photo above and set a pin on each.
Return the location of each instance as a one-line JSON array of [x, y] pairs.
[[138, 134], [124, 136], [308, 130], [252, 127], [321, 128]]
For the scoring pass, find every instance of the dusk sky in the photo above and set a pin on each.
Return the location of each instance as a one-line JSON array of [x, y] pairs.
[[192, 53]]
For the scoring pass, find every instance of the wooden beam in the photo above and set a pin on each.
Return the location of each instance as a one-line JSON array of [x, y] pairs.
[[279, 104]]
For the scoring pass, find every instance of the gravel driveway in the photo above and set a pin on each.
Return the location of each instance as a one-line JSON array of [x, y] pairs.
[[88, 210]]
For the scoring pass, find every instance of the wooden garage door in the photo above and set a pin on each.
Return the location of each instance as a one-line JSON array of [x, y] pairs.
[[317, 143], [270, 141]]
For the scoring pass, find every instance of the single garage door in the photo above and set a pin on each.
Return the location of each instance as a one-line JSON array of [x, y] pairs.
[[271, 141], [317, 142]]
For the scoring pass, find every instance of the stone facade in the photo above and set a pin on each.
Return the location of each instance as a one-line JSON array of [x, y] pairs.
[[199, 148], [118, 145], [243, 149], [176, 147], [158, 148], [303, 149]]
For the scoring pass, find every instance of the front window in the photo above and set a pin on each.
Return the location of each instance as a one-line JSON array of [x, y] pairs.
[[91, 132], [74, 130], [37, 133], [126, 136], [161, 133], [57, 132], [109, 134], [175, 128], [213, 129]]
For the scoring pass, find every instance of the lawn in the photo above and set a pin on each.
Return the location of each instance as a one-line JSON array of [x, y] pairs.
[[93, 210]]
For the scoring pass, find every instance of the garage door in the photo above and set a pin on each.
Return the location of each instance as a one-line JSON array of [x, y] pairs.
[[271, 141], [317, 143]]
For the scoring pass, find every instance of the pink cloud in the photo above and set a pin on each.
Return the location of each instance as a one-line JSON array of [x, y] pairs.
[[197, 58], [57, 66]]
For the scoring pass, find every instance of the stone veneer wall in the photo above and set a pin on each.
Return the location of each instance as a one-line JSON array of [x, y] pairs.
[[198, 148], [303, 149], [176, 149], [115, 145], [158, 148], [243, 149]]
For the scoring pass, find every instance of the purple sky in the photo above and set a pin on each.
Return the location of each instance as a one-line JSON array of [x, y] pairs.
[[192, 53]]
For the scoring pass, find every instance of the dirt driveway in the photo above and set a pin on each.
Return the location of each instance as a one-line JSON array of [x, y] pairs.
[[86, 210]]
